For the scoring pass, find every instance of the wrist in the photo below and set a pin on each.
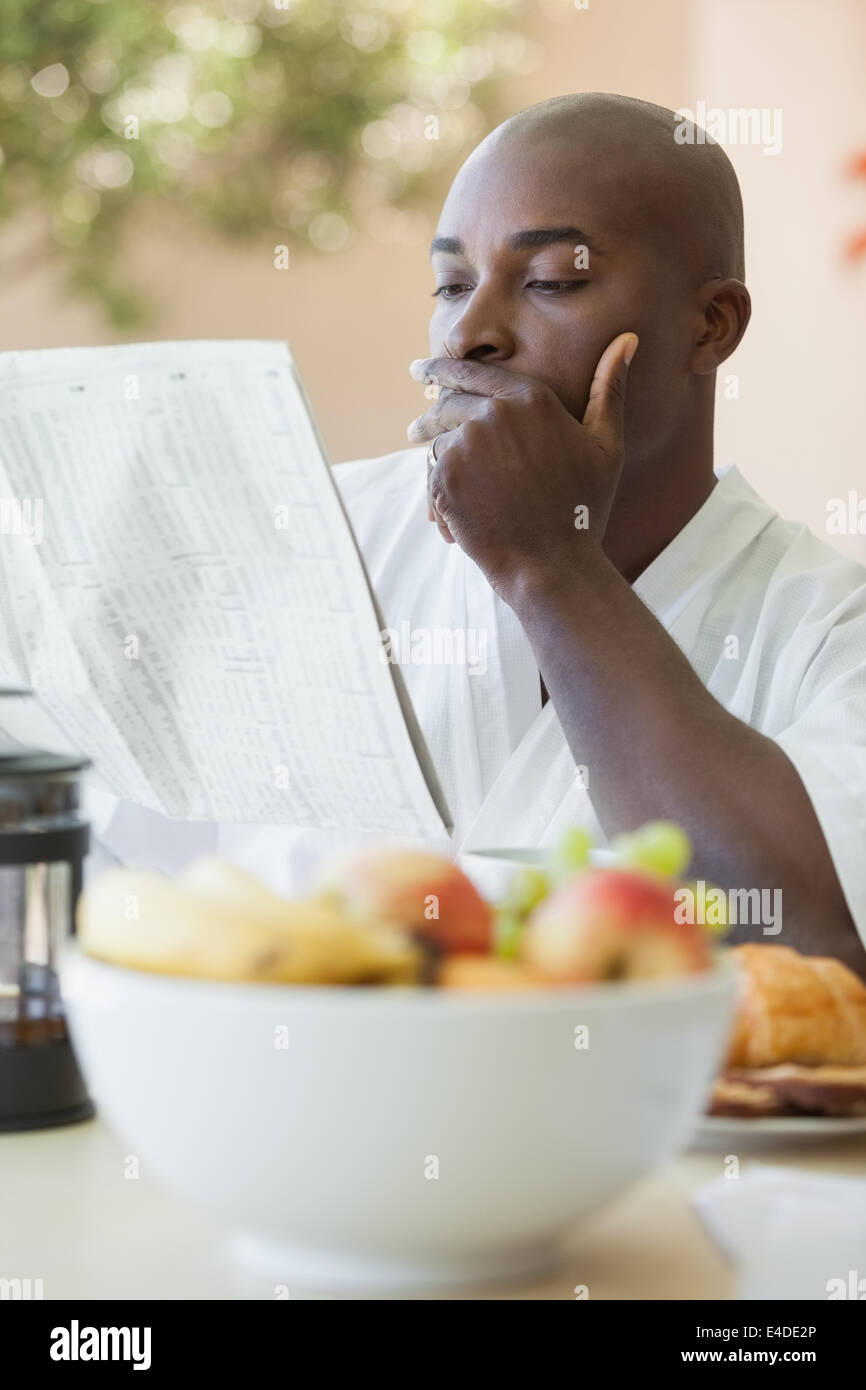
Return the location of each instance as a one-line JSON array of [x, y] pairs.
[[553, 579]]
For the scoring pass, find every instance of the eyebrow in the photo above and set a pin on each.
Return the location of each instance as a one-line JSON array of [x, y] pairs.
[[527, 240]]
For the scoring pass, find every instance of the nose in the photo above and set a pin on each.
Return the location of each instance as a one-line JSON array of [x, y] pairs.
[[482, 331]]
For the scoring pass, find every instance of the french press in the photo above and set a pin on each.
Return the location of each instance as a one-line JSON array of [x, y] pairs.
[[43, 843]]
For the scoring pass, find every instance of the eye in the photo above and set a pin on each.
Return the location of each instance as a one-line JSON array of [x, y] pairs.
[[556, 286], [451, 291]]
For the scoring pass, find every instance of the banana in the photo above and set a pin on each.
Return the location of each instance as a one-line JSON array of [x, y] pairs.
[[217, 923]]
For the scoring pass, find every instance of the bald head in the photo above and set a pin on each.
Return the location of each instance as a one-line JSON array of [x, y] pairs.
[[687, 193], [583, 218]]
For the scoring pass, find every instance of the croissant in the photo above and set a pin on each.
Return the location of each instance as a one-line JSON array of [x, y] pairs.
[[798, 1044], [793, 1008]]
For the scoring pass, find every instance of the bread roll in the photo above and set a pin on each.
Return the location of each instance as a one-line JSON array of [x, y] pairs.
[[809, 1010]]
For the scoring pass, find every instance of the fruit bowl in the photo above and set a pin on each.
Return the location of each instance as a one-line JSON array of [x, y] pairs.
[[372, 1138]]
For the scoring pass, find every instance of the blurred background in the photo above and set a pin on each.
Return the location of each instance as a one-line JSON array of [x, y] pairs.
[[156, 156]]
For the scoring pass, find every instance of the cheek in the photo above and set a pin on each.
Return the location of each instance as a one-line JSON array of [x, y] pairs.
[[571, 350], [566, 361], [655, 400], [659, 371], [572, 383]]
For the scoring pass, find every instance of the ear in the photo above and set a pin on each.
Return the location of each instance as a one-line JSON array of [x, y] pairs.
[[725, 308]]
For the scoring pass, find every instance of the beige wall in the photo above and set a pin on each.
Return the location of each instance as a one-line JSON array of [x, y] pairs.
[[798, 428], [356, 318]]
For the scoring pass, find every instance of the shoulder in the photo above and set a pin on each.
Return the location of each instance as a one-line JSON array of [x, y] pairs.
[[811, 624], [803, 572], [809, 578]]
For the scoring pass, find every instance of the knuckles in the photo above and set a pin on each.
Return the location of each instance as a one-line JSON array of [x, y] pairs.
[[489, 411], [472, 435], [475, 430]]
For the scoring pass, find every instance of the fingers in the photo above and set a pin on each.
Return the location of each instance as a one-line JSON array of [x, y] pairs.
[[432, 509], [433, 515], [466, 389], [465, 374], [605, 409], [443, 529], [447, 413]]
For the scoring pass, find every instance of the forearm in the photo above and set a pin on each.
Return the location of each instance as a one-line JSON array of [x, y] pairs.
[[657, 744]]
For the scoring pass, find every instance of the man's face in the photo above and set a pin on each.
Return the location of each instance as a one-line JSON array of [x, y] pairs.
[[511, 287]]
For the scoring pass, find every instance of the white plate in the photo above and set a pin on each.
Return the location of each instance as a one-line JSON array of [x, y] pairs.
[[717, 1131]]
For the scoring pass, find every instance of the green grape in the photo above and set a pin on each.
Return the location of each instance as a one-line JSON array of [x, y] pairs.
[[508, 933], [526, 890], [528, 887], [719, 909], [572, 853], [660, 846]]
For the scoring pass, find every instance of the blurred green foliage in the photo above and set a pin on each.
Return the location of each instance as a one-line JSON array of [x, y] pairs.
[[289, 120]]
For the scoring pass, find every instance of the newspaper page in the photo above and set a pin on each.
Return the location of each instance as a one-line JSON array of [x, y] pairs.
[[181, 590]]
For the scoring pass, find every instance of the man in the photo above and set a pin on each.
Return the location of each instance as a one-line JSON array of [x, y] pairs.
[[705, 661]]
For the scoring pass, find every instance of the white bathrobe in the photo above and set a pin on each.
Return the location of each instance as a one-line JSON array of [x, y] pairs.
[[772, 619]]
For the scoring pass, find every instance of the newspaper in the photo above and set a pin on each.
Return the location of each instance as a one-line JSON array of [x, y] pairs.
[[181, 590]]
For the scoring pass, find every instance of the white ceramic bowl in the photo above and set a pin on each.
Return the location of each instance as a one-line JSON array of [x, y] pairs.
[[402, 1137]]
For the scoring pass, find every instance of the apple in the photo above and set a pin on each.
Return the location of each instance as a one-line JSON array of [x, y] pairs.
[[612, 924], [422, 892]]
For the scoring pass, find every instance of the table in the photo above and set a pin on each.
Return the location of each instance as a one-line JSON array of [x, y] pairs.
[[70, 1216]]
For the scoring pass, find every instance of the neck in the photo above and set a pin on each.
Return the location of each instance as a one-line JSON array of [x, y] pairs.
[[653, 502]]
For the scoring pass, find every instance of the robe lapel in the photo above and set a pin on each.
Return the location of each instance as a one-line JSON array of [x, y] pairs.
[[541, 790], [538, 793]]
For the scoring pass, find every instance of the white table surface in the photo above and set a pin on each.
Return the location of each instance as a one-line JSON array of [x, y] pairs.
[[69, 1216]]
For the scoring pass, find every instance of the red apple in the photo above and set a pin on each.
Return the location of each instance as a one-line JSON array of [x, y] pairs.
[[424, 893], [613, 924]]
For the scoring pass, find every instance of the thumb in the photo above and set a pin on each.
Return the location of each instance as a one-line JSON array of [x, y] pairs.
[[603, 416]]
